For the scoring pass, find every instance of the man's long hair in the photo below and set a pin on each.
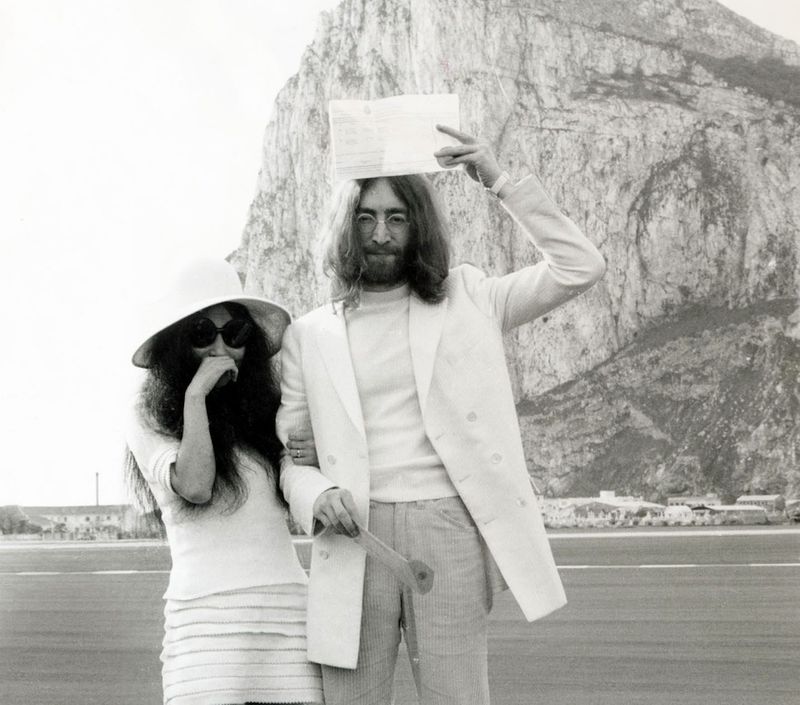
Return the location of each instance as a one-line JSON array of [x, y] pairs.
[[428, 255], [241, 414]]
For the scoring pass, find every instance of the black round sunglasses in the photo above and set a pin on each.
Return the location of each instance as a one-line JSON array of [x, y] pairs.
[[235, 333]]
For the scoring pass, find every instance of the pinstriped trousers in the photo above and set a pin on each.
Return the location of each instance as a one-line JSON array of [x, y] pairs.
[[450, 620]]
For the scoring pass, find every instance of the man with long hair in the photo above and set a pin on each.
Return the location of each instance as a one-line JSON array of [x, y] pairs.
[[404, 381]]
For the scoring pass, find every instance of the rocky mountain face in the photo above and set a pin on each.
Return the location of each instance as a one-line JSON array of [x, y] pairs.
[[668, 130], [709, 399]]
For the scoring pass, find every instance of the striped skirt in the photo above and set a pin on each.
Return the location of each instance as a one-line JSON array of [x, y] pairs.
[[237, 647]]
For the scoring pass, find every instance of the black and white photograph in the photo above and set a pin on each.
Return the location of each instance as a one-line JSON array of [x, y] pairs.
[[400, 352]]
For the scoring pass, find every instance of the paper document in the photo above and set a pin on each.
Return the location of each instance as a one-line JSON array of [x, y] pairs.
[[390, 136]]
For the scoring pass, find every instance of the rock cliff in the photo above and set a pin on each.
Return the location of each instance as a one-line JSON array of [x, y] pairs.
[[707, 401], [669, 131]]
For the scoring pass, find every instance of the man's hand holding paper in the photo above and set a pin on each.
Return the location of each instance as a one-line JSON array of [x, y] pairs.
[[477, 157]]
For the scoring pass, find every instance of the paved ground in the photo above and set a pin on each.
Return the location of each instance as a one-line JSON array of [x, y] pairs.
[[660, 618]]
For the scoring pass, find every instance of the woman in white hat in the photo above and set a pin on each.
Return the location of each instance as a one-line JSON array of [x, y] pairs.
[[203, 450]]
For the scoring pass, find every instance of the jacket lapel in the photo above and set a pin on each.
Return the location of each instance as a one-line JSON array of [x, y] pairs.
[[425, 323], [335, 351]]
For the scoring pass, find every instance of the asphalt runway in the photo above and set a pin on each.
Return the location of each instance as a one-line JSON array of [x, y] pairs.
[[658, 617]]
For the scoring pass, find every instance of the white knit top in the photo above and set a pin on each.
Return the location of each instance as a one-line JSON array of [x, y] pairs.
[[403, 464], [214, 550]]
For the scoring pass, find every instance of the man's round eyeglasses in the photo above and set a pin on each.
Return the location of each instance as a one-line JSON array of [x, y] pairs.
[[395, 223]]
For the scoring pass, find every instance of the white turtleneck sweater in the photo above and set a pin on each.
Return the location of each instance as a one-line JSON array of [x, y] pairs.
[[403, 464]]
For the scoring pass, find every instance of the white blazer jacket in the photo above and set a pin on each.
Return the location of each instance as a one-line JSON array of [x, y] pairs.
[[467, 408]]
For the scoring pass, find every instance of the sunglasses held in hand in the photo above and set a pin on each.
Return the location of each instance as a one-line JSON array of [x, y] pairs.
[[235, 333]]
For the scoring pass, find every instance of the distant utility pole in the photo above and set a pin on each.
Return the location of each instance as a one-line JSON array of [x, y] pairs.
[[97, 489]]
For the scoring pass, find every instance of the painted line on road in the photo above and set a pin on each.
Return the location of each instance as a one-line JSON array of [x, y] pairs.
[[86, 572], [644, 566], [662, 566], [626, 534]]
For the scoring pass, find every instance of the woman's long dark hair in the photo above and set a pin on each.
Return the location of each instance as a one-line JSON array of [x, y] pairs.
[[241, 414], [428, 261]]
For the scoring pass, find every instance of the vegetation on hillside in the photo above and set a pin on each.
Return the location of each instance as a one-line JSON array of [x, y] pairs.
[[708, 401]]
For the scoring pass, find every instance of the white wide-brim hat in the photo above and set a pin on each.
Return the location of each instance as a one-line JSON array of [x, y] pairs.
[[199, 285]]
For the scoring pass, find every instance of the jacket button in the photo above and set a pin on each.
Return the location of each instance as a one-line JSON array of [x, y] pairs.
[[496, 458], [331, 459], [521, 502], [471, 416], [323, 555]]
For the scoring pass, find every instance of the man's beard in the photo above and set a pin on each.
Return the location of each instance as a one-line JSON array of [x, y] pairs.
[[381, 269]]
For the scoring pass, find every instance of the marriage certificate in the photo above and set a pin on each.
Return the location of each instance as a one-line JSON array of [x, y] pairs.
[[390, 136]]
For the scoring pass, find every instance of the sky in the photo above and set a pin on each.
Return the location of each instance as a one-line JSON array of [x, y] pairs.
[[130, 136]]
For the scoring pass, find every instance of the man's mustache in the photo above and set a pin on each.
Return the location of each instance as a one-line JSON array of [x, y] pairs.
[[392, 250]]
